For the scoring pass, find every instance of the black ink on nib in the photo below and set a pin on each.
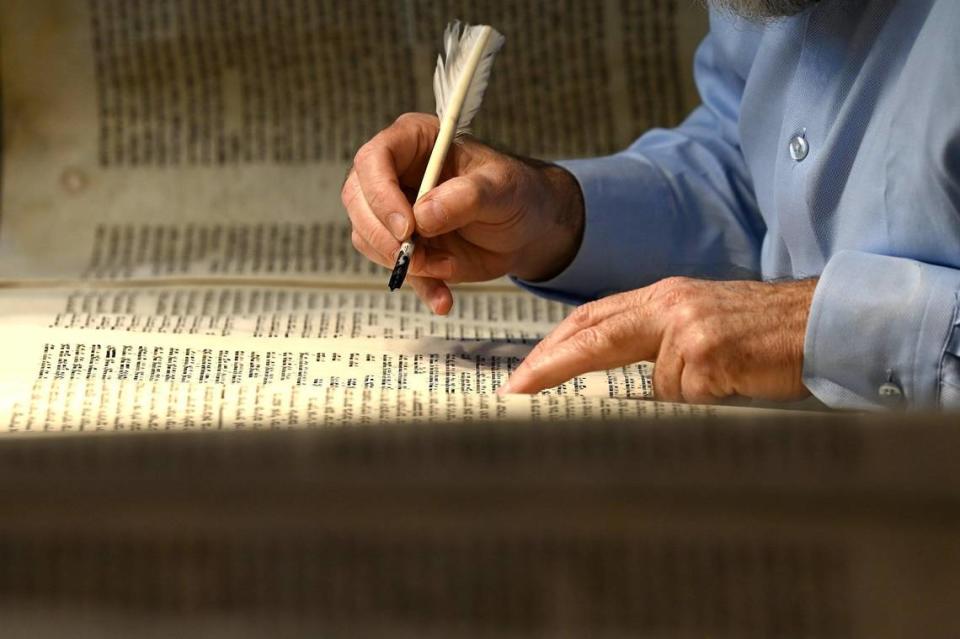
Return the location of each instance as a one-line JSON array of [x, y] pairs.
[[399, 272]]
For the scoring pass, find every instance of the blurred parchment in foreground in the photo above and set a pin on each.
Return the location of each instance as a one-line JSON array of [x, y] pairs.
[[809, 527]]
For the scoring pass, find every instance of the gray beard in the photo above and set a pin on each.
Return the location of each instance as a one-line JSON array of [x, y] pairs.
[[762, 10]]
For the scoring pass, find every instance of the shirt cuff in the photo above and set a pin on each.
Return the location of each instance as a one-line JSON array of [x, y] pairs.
[[616, 189], [879, 332]]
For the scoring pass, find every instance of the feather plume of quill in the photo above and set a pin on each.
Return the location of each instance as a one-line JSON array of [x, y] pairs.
[[459, 40]]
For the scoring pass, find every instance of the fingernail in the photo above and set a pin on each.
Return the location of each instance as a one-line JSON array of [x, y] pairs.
[[397, 223], [505, 389], [429, 216], [436, 299]]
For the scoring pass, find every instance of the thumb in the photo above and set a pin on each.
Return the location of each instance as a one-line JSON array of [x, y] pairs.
[[452, 205]]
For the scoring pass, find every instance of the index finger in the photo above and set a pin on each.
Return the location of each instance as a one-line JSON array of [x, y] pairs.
[[613, 342], [394, 157], [593, 313]]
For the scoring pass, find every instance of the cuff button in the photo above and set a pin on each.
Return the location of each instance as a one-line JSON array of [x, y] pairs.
[[890, 394], [889, 389]]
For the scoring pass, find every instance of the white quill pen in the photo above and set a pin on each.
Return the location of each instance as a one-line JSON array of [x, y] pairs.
[[461, 77]]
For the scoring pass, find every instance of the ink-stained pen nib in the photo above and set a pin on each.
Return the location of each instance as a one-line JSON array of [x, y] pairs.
[[399, 272], [400, 268]]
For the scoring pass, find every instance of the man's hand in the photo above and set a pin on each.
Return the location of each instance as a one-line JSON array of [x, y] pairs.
[[710, 340], [492, 213]]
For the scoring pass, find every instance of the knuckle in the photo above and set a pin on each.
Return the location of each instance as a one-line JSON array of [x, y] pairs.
[[686, 313], [676, 282], [583, 315], [413, 127], [363, 154], [348, 191], [408, 119], [590, 339], [418, 122], [700, 347], [673, 290]]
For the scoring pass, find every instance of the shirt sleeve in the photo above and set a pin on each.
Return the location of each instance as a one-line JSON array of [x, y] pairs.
[[884, 331], [884, 326], [677, 201]]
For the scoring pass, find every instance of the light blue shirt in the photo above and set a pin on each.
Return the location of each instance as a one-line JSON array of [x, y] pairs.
[[827, 145]]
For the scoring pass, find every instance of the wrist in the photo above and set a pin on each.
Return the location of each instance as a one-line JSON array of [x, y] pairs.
[[558, 225], [796, 305]]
